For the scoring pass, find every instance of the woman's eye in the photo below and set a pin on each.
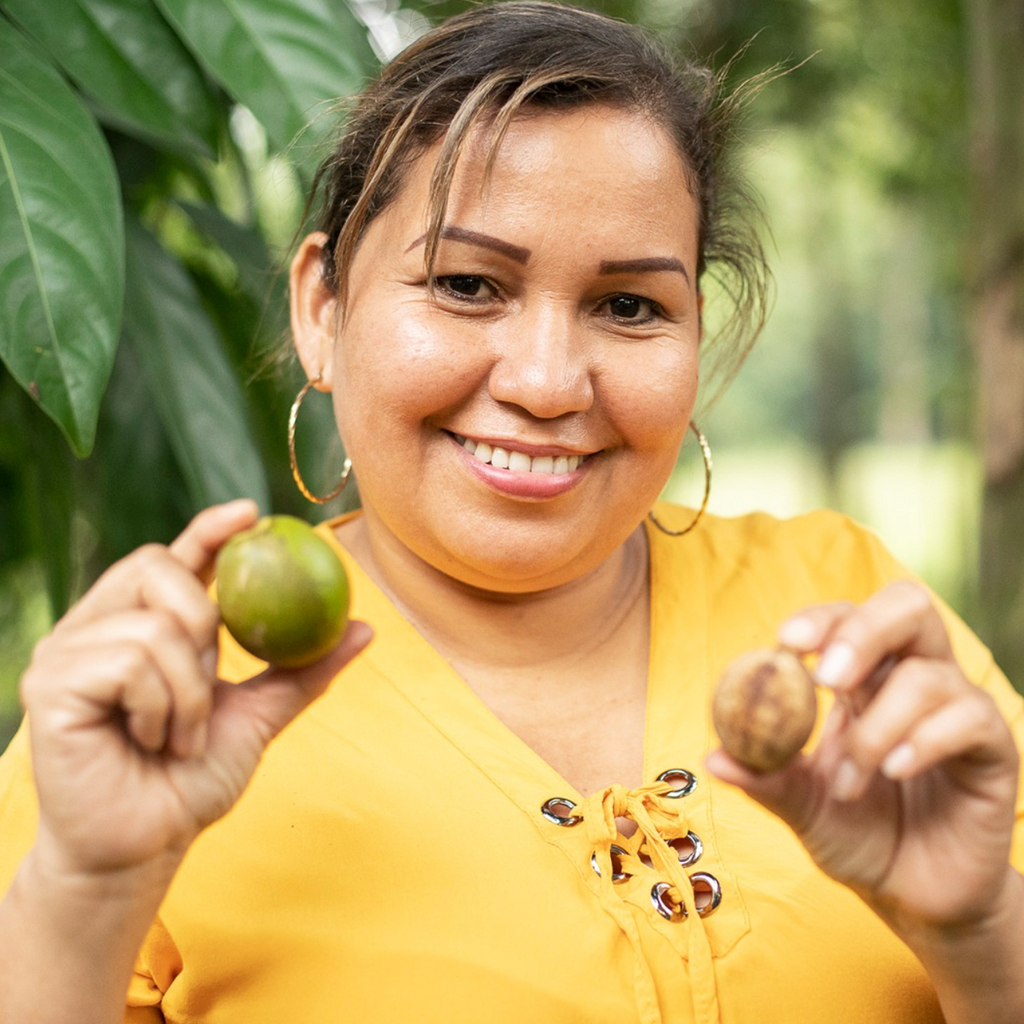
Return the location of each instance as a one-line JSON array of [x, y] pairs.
[[632, 308], [468, 286]]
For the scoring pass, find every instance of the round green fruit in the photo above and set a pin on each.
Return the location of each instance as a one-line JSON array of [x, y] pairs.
[[282, 592]]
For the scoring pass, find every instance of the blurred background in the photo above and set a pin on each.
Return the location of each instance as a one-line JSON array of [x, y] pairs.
[[155, 158]]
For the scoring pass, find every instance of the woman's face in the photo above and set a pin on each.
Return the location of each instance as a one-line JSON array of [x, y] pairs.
[[513, 429]]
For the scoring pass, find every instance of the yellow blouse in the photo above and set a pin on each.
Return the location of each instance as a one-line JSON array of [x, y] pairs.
[[391, 860]]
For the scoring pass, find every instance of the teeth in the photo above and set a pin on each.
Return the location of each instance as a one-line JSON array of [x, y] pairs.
[[520, 462]]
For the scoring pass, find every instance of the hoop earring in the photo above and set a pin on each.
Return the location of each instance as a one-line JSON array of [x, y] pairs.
[[705, 449], [296, 475]]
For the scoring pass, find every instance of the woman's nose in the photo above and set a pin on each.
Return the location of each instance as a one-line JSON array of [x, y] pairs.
[[544, 366]]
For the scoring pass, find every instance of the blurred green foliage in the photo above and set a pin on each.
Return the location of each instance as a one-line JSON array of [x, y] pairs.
[[155, 156]]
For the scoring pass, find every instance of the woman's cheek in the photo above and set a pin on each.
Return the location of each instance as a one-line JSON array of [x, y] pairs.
[[402, 373], [652, 399]]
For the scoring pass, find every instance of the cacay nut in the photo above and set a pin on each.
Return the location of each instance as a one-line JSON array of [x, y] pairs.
[[764, 708]]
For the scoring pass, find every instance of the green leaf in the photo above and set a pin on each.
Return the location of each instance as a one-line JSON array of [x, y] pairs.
[[47, 483], [288, 61], [257, 275], [131, 63], [194, 387], [61, 242], [137, 490]]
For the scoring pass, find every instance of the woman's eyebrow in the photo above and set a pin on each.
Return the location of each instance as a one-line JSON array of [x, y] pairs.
[[641, 266], [513, 252]]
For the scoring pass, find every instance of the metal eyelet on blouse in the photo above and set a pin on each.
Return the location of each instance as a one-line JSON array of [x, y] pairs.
[[665, 905], [548, 809], [707, 893], [617, 852], [687, 779], [689, 848]]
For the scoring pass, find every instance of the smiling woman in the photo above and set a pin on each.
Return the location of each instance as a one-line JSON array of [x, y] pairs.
[[560, 321], [511, 806]]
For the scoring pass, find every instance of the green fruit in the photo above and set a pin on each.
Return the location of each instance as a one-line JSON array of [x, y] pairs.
[[282, 591]]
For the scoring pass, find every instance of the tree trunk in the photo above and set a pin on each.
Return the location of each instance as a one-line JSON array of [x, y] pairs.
[[997, 156]]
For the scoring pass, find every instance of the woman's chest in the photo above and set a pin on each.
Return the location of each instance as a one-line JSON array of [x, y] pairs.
[[382, 867]]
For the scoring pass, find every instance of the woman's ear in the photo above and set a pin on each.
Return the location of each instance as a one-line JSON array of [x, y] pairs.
[[314, 309]]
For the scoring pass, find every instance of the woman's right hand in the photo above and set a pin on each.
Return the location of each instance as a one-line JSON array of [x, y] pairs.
[[136, 746]]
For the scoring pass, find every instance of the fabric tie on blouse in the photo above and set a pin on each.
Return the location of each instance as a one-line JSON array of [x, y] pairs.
[[647, 852]]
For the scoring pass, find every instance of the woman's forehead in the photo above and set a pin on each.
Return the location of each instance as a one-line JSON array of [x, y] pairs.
[[562, 161]]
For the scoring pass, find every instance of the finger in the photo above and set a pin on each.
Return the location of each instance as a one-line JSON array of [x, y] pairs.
[[809, 630], [831, 744], [969, 729], [857, 699], [916, 689], [269, 701], [197, 546], [794, 793], [187, 673], [149, 578], [108, 684], [184, 597], [899, 621]]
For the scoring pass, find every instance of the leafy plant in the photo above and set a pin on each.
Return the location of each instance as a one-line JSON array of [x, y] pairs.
[[151, 154]]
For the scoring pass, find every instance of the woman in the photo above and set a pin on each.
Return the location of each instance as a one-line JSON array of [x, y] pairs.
[[500, 811]]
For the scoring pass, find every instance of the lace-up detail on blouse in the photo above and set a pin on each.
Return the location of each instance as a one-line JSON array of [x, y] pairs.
[[652, 860]]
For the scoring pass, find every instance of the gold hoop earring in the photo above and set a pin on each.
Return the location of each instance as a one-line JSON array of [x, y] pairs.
[[296, 475], [705, 450]]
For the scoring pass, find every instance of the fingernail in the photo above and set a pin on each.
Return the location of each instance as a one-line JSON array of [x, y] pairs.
[[835, 664], [799, 633], [844, 785], [899, 760]]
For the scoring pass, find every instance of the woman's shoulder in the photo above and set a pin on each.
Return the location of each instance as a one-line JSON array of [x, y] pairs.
[[764, 564], [823, 547]]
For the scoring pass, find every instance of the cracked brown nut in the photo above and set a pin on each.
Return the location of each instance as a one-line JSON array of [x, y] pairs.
[[764, 708]]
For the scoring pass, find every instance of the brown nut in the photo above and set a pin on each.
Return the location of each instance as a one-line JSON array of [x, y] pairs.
[[764, 708]]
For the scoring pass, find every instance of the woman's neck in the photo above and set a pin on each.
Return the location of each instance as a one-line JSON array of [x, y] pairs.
[[555, 627]]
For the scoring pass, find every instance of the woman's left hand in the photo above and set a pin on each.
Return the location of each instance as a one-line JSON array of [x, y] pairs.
[[909, 795]]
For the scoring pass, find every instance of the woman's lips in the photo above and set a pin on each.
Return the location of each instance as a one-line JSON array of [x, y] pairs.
[[519, 473]]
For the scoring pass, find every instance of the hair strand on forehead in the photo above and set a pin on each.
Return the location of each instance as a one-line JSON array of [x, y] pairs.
[[494, 63]]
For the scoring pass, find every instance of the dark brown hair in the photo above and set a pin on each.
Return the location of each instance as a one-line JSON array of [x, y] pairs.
[[491, 62]]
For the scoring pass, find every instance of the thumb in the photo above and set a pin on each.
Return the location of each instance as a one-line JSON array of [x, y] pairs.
[[792, 793], [269, 701]]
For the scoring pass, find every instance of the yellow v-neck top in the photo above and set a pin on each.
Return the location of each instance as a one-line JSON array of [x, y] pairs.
[[391, 861]]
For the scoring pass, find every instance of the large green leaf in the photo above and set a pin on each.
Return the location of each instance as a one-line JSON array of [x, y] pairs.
[[196, 393], [136, 490], [47, 471], [130, 62], [286, 60], [61, 242], [258, 277]]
